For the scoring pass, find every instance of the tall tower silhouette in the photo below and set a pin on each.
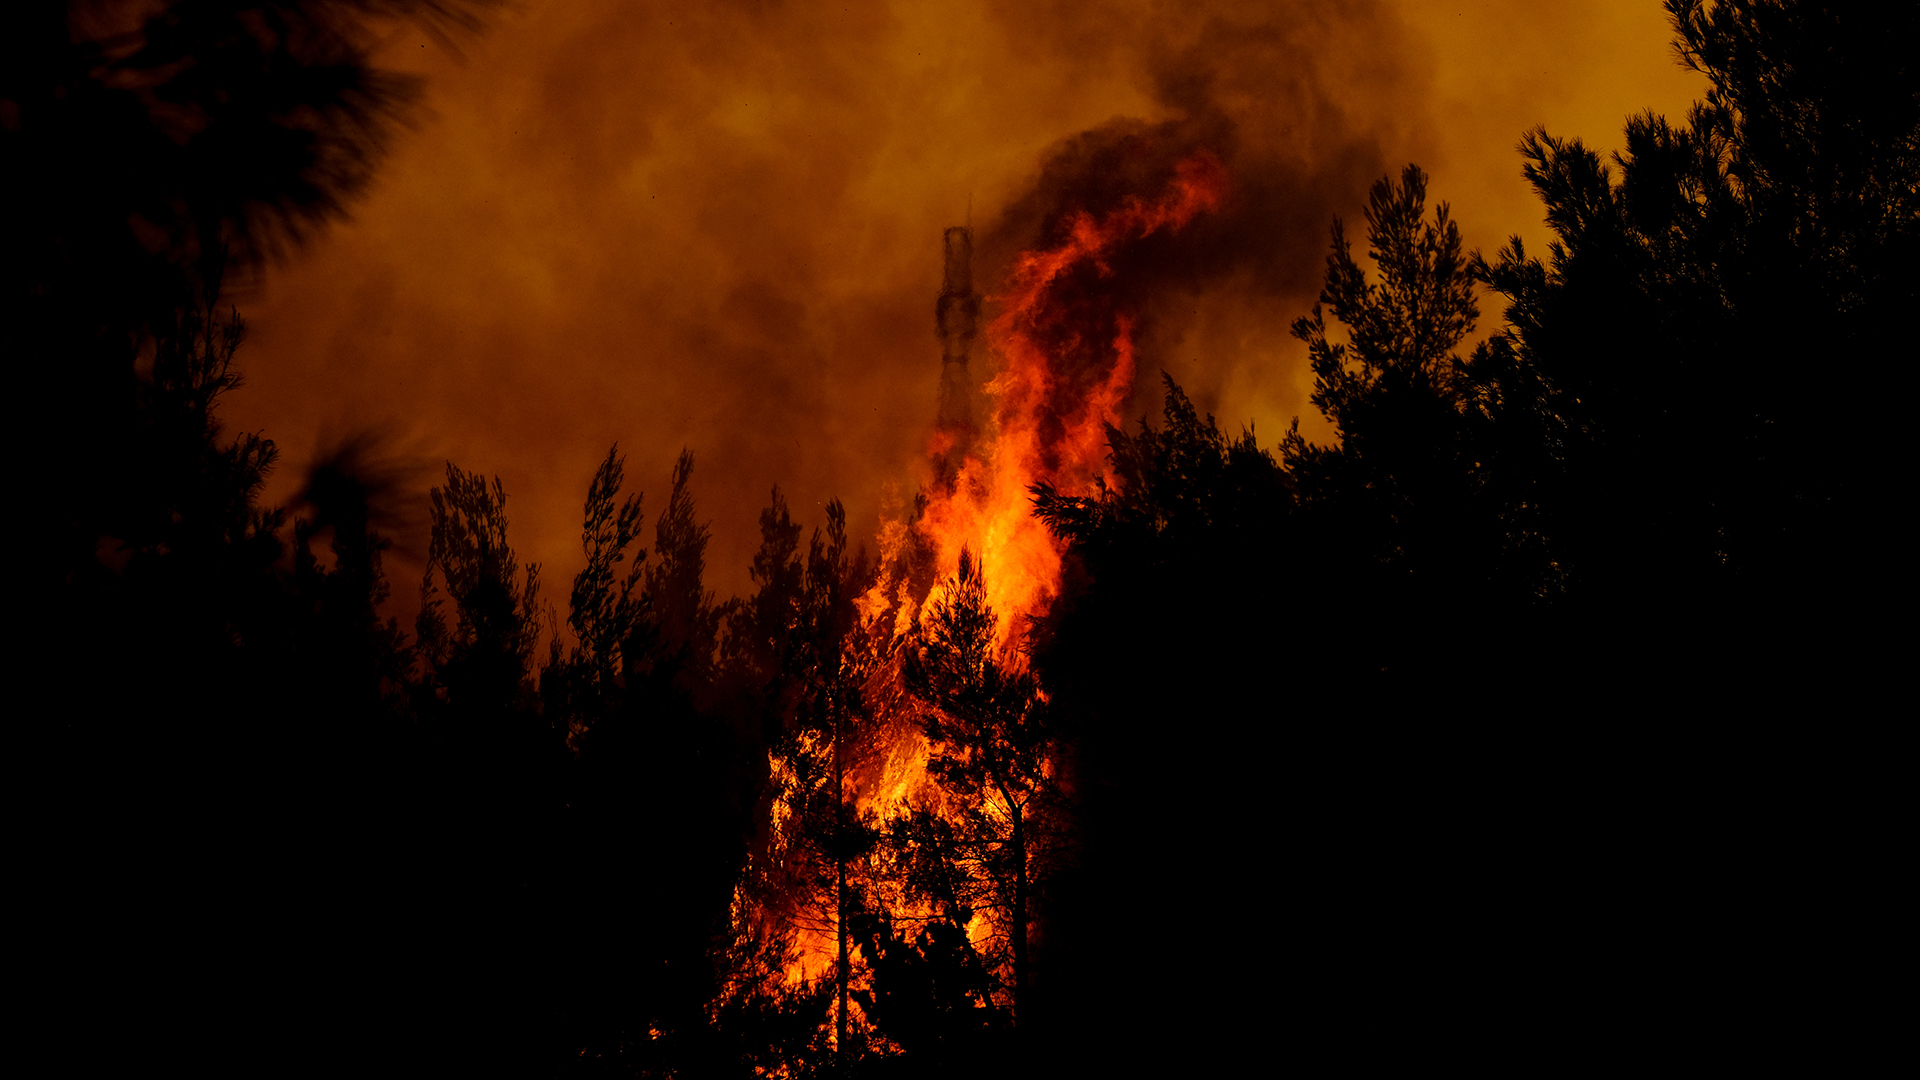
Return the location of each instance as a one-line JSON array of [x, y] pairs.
[[956, 314]]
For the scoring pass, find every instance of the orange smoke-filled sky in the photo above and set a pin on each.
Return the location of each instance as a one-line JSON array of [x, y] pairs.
[[717, 226]]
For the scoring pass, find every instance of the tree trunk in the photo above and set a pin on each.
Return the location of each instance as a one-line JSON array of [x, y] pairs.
[[1019, 930], [840, 897]]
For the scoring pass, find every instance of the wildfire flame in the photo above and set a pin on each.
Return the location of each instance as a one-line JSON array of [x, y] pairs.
[[1066, 368], [1065, 356]]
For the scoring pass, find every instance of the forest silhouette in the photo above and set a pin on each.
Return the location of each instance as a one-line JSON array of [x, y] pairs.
[[1531, 720]]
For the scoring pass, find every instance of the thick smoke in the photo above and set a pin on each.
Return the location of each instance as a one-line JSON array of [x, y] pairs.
[[720, 227]]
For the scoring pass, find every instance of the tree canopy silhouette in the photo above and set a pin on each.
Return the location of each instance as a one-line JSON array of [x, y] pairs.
[[1513, 720], [1769, 238], [988, 726]]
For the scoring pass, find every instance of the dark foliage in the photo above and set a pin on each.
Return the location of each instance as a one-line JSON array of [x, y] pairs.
[[1554, 626], [988, 726], [931, 996], [1517, 725], [1766, 242], [145, 150]]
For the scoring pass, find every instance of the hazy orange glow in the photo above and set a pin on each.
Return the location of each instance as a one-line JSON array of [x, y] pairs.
[[718, 226]]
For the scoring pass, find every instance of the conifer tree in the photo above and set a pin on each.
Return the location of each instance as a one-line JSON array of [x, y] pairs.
[[481, 658], [988, 725]]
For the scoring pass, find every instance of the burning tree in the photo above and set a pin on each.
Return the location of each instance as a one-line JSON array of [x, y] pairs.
[[986, 719], [796, 643]]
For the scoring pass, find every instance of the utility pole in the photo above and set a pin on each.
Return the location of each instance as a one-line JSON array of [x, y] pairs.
[[956, 315]]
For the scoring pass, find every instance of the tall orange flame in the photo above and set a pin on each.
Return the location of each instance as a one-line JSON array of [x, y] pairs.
[[1064, 345], [1066, 369]]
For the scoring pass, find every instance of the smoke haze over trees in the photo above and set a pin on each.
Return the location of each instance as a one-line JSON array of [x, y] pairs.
[[728, 222], [1514, 705]]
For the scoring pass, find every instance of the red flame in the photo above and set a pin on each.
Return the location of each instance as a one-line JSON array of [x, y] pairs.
[[1065, 355], [1066, 369]]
